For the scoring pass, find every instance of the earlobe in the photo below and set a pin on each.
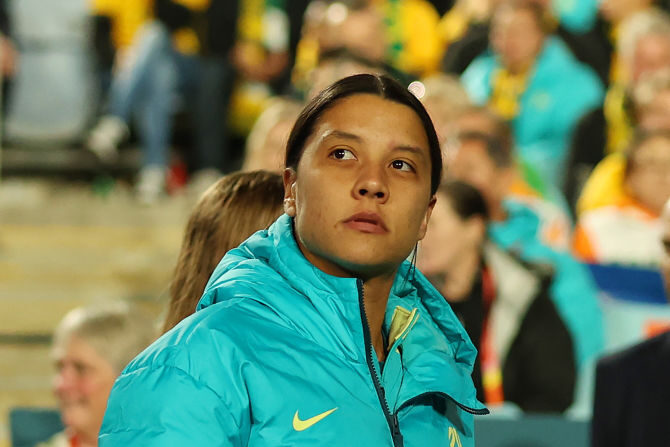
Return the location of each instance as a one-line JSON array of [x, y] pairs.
[[424, 224], [289, 192]]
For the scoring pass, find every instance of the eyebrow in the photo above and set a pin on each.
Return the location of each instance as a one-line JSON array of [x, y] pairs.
[[341, 134]]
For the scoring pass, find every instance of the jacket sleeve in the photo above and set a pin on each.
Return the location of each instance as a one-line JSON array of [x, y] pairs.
[[166, 407]]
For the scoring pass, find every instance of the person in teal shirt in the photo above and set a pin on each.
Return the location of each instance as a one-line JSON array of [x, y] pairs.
[[319, 331]]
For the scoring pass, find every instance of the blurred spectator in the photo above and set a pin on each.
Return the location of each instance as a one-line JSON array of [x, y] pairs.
[[504, 305], [230, 211], [665, 241], [627, 231], [532, 79], [643, 48], [91, 346], [631, 396], [466, 28], [649, 105], [338, 63], [484, 158], [268, 36], [400, 33], [631, 386], [444, 98], [197, 65], [266, 143], [492, 166]]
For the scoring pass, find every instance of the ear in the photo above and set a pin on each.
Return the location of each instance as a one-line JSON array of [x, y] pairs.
[[426, 218], [289, 191], [476, 229]]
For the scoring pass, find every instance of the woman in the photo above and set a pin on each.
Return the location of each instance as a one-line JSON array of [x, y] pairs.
[[530, 78], [91, 346], [230, 211], [318, 331], [627, 231], [504, 305]]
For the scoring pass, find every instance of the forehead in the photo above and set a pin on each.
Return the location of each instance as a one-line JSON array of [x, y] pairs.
[[370, 116], [472, 149], [507, 15]]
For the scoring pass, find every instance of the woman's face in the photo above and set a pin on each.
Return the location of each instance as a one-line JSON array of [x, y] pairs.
[[362, 188], [82, 385], [649, 176], [516, 37], [447, 239]]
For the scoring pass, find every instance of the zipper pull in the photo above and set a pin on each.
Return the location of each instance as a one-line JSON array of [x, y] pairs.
[[397, 436]]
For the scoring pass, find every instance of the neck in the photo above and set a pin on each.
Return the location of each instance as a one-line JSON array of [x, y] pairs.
[[375, 298]]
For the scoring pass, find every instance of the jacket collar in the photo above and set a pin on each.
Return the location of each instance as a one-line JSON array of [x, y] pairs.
[[330, 312]]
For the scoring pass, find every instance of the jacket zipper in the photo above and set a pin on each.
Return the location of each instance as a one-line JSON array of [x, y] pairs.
[[391, 418], [474, 411]]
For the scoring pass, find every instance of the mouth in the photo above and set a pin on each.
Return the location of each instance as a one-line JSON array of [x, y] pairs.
[[366, 222]]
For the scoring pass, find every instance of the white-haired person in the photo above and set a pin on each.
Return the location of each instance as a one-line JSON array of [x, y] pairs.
[[91, 346]]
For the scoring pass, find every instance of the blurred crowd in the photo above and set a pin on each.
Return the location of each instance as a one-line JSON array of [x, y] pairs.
[[553, 116]]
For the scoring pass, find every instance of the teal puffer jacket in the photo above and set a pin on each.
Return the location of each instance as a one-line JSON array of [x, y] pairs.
[[279, 354]]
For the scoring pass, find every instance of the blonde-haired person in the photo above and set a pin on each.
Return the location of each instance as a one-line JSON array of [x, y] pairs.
[[91, 346], [267, 139], [649, 111], [230, 211]]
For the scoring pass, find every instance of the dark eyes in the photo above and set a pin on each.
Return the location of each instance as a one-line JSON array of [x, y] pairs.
[[342, 154], [346, 154], [402, 166]]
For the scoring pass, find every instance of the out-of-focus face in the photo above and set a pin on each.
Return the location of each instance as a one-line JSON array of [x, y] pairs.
[[665, 240], [448, 237], [275, 145], [652, 54], [516, 37], [616, 10], [331, 71], [82, 385], [469, 162], [361, 195], [649, 176], [656, 114]]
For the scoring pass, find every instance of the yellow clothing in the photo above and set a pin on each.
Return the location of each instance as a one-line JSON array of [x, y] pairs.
[[414, 43], [605, 186], [506, 93], [619, 128], [127, 16], [422, 45], [453, 25]]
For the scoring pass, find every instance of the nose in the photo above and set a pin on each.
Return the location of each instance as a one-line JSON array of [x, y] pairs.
[[371, 183], [63, 381]]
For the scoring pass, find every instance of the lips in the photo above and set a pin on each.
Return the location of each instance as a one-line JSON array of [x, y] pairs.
[[366, 222]]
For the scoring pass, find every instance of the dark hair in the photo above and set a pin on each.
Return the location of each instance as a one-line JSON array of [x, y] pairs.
[[465, 199], [379, 85], [229, 212]]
